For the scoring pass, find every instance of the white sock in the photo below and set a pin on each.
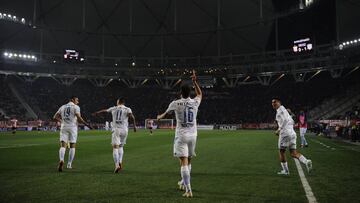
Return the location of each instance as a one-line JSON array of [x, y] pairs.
[[62, 153], [303, 160], [185, 174], [284, 166], [116, 156], [71, 155], [189, 166], [121, 154]]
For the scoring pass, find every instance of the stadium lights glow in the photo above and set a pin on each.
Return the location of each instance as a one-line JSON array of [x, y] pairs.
[[13, 18], [18, 56], [133, 64], [349, 43]]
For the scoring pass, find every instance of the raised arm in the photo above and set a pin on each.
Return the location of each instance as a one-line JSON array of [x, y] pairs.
[[196, 85], [98, 112], [133, 119]]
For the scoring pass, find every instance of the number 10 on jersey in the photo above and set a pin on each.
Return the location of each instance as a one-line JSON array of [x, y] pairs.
[[188, 115]]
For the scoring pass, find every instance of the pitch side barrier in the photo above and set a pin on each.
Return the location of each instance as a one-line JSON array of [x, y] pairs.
[[254, 126]]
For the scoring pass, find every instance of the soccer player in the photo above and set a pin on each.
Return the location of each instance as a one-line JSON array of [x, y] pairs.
[[303, 128], [186, 130], [107, 126], [14, 125], [120, 114], [150, 125], [69, 116], [287, 138]]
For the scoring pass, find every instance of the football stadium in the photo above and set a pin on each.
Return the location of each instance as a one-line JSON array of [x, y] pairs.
[[179, 101]]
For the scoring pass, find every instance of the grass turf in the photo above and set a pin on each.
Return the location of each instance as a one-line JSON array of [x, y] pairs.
[[232, 166]]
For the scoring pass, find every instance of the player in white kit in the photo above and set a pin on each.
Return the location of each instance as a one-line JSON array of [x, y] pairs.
[[150, 126], [186, 130], [69, 116], [287, 138], [120, 115]]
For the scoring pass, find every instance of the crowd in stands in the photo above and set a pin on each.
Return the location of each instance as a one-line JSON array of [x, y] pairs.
[[9, 105], [220, 105]]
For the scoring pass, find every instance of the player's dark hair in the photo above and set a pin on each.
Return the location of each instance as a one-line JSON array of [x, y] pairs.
[[277, 99], [185, 90], [121, 100], [73, 97]]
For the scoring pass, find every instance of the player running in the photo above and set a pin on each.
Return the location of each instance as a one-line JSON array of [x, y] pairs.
[[303, 128], [150, 125], [120, 114], [186, 131], [287, 137], [69, 116]]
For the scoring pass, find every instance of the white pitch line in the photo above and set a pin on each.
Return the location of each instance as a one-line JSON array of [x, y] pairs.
[[309, 194]]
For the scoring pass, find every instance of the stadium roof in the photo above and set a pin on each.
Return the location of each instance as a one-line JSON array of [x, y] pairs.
[[139, 27]]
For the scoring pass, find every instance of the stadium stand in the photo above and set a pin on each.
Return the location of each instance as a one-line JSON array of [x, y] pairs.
[[243, 104]]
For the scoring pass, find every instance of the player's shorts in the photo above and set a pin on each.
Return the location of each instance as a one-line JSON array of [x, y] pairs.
[[184, 146], [303, 131], [119, 136], [150, 128], [68, 135], [13, 128], [287, 139]]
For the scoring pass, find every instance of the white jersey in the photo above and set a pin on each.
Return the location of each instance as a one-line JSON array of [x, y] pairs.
[[185, 112], [284, 120], [120, 115], [150, 123], [68, 117]]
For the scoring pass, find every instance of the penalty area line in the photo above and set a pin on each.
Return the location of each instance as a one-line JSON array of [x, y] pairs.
[[308, 191]]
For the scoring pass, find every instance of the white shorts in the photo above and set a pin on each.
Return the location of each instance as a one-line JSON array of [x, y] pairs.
[[68, 135], [287, 142], [184, 146], [287, 139], [119, 136], [303, 131]]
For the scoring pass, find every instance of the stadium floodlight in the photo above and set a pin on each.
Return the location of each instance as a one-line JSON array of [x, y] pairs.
[[349, 43], [133, 64], [19, 56], [12, 18]]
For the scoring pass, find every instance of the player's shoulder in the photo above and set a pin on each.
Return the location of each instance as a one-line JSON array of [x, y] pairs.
[[127, 108]]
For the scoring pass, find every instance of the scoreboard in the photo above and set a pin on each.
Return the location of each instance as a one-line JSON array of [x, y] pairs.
[[302, 45]]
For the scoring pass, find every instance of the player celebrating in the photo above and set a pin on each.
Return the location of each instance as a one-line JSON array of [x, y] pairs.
[[120, 114], [287, 137], [303, 128], [186, 131], [150, 125], [69, 116]]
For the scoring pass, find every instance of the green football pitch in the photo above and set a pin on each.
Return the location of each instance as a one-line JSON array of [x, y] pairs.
[[231, 166]]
